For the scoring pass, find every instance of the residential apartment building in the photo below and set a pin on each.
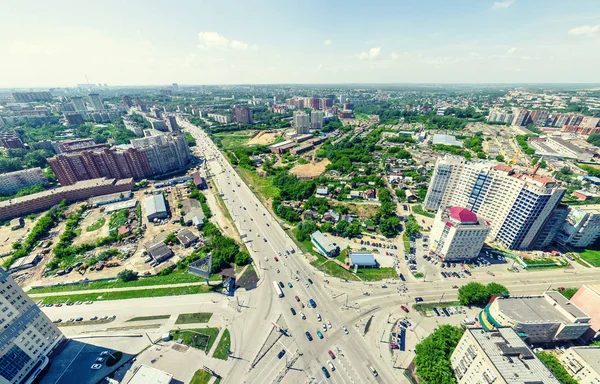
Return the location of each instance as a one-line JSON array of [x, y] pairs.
[[496, 116], [242, 115], [11, 140], [27, 335], [27, 97], [221, 119], [12, 182], [537, 319], [82, 190], [521, 117], [498, 357], [582, 363], [171, 122], [316, 119], [149, 156], [301, 122], [457, 234], [96, 102], [79, 104], [517, 205], [582, 226]]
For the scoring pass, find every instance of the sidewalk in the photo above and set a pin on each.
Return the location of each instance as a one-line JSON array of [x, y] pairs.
[[138, 288]]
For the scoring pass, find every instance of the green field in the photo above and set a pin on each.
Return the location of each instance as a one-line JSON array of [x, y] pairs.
[[176, 277], [96, 225], [145, 318], [190, 318], [120, 295], [186, 335], [222, 350], [234, 139], [373, 274], [424, 307], [592, 256], [331, 268], [202, 377], [259, 184]]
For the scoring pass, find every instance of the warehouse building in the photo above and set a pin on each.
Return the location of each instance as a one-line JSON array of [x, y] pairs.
[[323, 245], [156, 207], [363, 260]]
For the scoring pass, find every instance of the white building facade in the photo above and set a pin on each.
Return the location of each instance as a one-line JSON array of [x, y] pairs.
[[457, 234]]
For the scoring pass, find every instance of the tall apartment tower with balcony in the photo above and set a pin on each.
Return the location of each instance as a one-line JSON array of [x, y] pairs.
[[301, 122], [518, 205], [27, 335]]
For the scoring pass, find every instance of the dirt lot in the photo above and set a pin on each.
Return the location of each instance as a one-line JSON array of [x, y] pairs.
[[93, 216], [310, 170], [263, 138], [8, 237]]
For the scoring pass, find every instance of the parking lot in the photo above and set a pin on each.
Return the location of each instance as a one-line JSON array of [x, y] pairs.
[[82, 362]]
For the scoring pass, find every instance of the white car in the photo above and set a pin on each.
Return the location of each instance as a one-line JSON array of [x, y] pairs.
[[330, 365], [318, 317], [302, 315], [329, 323], [324, 327], [96, 366]]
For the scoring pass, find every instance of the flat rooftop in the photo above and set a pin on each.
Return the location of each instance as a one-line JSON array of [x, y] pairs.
[[591, 355], [537, 309], [511, 357], [150, 375]]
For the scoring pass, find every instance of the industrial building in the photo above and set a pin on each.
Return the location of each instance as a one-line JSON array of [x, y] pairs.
[[13, 182], [27, 335], [537, 319], [159, 250], [498, 192], [301, 149], [443, 139], [498, 357], [457, 234], [82, 190], [155, 207], [186, 237], [282, 147], [192, 213], [109, 199], [323, 245]]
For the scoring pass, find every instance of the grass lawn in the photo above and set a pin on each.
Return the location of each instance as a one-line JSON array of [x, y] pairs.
[[222, 350], [418, 275], [234, 139], [406, 241], [418, 209], [120, 295], [190, 318], [261, 184], [96, 225], [331, 268], [144, 318], [424, 307], [89, 322], [372, 274], [187, 334], [592, 256], [176, 277], [342, 256], [202, 377]]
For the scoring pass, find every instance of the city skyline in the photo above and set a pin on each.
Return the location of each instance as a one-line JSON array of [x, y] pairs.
[[510, 41]]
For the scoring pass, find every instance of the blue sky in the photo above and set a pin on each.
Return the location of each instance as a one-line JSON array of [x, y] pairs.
[[58, 43]]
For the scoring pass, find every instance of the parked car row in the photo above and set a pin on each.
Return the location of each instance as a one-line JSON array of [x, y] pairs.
[[380, 245], [68, 303], [444, 312], [77, 319]]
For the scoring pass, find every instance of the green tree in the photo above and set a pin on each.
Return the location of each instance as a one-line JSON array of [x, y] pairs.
[[432, 360], [495, 289], [127, 275], [473, 294], [500, 158], [412, 228], [242, 258], [552, 363]]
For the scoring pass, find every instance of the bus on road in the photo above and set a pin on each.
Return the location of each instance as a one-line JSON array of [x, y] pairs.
[[278, 289]]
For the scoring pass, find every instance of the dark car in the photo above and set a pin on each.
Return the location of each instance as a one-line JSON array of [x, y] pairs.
[[325, 372], [312, 303], [281, 353], [281, 284], [435, 310], [308, 336], [402, 277], [293, 311], [310, 281], [331, 354], [418, 299]]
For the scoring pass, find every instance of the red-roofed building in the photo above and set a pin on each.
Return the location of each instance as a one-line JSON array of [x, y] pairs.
[[457, 234]]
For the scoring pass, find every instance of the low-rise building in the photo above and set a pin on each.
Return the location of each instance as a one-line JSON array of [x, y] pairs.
[[363, 260], [498, 357], [587, 298], [457, 234], [282, 147], [159, 250], [538, 319], [444, 139], [582, 363], [156, 207], [150, 375], [323, 245], [186, 237], [322, 190]]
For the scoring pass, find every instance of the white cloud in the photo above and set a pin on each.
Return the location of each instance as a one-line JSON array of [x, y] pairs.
[[371, 54], [395, 55], [585, 30], [319, 67], [328, 42], [502, 4], [511, 50], [209, 40]]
